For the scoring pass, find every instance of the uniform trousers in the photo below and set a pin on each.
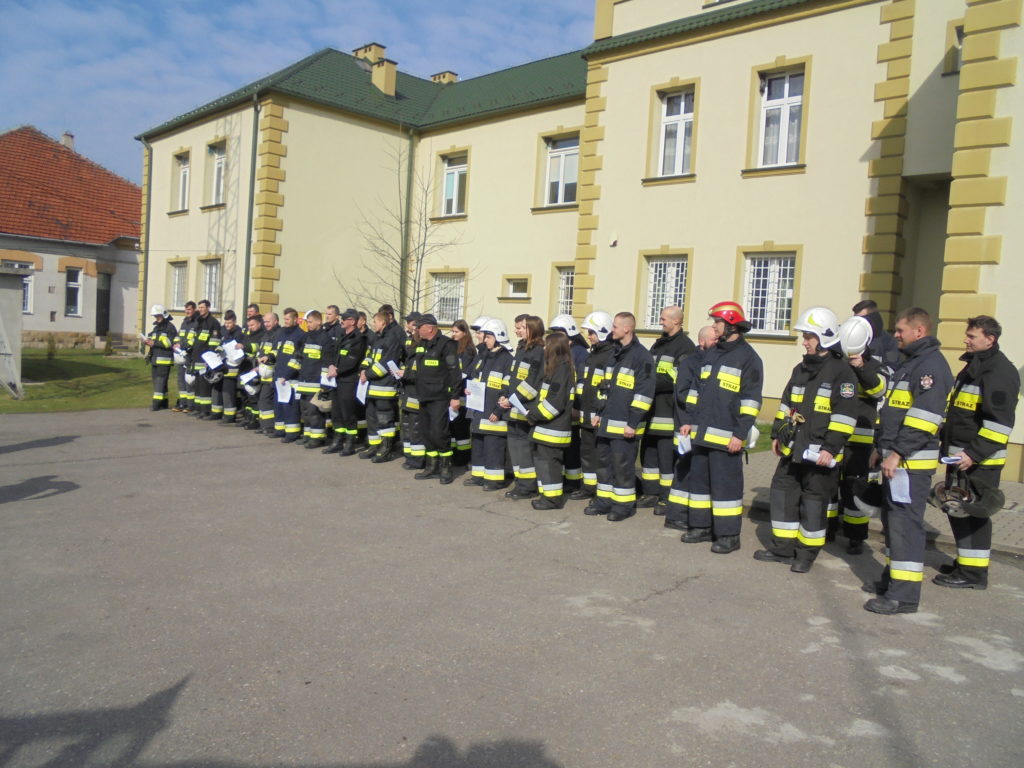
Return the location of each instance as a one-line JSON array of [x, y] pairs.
[[550, 461], [588, 457], [974, 534], [436, 427], [314, 421], [616, 473], [855, 465], [573, 471], [344, 414], [217, 398], [716, 491], [412, 436], [186, 392], [657, 463], [476, 461], [287, 417], [229, 396], [520, 452], [380, 419], [800, 494], [461, 438], [903, 524], [161, 374], [266, 403], [203, 392], [678, 510]]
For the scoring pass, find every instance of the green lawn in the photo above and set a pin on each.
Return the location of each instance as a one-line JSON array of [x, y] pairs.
[[81, 380]]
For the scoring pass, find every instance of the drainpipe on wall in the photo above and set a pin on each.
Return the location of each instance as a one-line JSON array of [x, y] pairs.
[[252, 199], [145, 246], [403, 290]]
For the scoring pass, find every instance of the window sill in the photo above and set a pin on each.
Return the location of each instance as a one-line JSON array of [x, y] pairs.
[[766, 337], [182, 212], [212, 207], [661, 181], [773, 170], [514, 299], [452, 217], [555, 208], [69, 314]]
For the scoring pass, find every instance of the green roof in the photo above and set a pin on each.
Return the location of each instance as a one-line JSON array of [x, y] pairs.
[[340, 80], [691, 23]]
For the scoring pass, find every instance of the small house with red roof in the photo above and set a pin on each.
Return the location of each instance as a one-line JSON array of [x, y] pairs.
[[75, 226]]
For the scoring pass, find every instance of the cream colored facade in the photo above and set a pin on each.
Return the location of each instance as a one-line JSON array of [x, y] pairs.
[[902, 190]]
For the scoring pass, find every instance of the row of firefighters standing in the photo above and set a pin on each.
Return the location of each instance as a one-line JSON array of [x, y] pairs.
[[569, 420]]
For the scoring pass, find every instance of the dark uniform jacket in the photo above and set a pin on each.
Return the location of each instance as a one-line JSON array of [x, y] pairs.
[[728, 395], [163, 335], [883, 347], [823, 391], [491, 367], [409, 398], [524, 379], [187, 332], [207, 338], [314, 357], [551, 412], [872, 383], [981, 408], [628, 389], [382, 348], [289, 342], [687, 387], [589, 391], [667, 352], [915, 405], [436, 366], [268, 346], [237, 335], [350, 351]]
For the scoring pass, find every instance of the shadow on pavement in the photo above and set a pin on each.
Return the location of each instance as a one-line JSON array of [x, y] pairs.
[[36, 488], [46, 442], [115, 738]]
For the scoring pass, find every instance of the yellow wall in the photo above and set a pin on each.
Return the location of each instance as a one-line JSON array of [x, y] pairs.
[[630, 15]]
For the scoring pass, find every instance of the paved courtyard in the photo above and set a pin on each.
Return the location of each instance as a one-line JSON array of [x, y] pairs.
[[178, 594]]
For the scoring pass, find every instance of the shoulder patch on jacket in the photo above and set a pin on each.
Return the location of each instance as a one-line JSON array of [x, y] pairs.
[[846, 390], [927, 381]]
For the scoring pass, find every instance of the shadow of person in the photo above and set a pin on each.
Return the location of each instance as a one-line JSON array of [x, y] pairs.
[[35, 489], [44, 442]]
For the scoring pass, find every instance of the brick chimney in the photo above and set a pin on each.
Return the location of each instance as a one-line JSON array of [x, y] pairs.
[[384, 74], [445, 77], [372, 52], [68, 140]]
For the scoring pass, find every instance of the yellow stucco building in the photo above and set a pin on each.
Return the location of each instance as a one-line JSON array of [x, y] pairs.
[[782, 153]]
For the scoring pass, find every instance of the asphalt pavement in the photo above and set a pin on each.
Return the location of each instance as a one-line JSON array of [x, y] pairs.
[[179, 594]]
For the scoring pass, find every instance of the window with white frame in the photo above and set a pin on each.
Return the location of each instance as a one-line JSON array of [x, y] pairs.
[[449, 293], [666, 286], [782, 96], [178, 283], [73, 292], [26, 284], [676, 133], [181, 181], [566, 285], [563, 170], [454, 203], [217, 167], [768, 291], [517, 287], [211, 283]]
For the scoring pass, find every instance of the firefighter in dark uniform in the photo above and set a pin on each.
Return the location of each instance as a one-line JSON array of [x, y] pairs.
[[589, 389], [462, 440], [438, 386], [727, 403], [315, 354], [266, 358], [551, 417], [207, 334], [872, 381], [160, 343], [408, 401], [621, 420], [524, 385], [978, 426], [182, 343], [250, 400], [578, 348], [225, 391], [287, 419], [350, 349], [384, 351], [491, 368], [908, 448], [657, 449], [332, 327], [816, 416]]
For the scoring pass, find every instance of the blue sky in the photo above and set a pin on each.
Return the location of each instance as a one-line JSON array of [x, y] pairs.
[[108, 69]]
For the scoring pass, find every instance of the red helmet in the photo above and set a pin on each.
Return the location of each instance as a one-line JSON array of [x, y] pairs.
[[729, 311]]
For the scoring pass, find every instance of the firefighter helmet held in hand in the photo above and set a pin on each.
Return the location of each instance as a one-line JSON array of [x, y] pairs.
[[854, 335]]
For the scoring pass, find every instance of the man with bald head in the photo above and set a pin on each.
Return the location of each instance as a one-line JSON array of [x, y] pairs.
[[657, 452]]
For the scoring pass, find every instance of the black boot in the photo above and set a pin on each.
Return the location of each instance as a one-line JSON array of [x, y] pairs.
[[432, 468], [370, 452], [335, 445], [446, 470], [348, 446], [384, 451]]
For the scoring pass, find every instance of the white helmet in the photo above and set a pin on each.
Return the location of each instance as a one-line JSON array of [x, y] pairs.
[[854, 335], [477, 325], [180, 357], [497, 329], [190, 378], [266, 371], [158, 309], [564, 323], [600, 323], [822, 322]]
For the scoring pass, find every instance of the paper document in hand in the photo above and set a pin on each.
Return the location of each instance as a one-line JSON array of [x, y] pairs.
[[234, 352], [393, 367], [683, 444], [212, 359], [752, 436], [361, 389], [812, 456], [899, 486], [475, 398], [518, 405], [453, 414], [248, 376], [284, 392], [328, 381]]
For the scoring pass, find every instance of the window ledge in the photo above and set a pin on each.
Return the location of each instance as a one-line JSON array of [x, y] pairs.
[[514, 299], [773, 170], [453, 217], [767, 337], [212, 207], [660, 181], [182, 212], [555, 208]]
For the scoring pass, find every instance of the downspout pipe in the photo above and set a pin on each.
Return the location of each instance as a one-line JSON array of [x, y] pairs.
[[246, 282], [145, 245], [403, 267]]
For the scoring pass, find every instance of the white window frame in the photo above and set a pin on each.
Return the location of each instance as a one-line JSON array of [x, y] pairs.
[[787, 148], [680, 125], [211, 282], [566, 290], [179, 287], [182, 161], [76, 285], [667, 278], [561, 183], [456, 169], [219, 152], [449, 292], [510, 288], [769, 284], [26, 284]]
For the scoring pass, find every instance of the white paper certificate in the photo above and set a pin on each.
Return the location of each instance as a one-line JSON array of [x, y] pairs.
[[475, 398], [284, 391]]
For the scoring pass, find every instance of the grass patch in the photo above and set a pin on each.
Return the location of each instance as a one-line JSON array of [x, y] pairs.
[[81, 380]]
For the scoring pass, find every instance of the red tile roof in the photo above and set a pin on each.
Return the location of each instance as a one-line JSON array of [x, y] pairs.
[[52, 192]]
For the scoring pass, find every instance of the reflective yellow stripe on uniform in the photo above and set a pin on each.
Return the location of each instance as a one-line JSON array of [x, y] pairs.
[[994, 431], [926, 421], [905, 570]]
